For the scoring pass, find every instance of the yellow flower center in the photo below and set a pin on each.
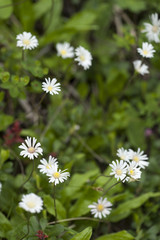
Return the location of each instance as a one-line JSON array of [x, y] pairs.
[[48, 166], [26, 42], [131, 172], [145, 52], [30, 204], [136, 159], [155, 29], [119, 171], [56, 175], [82, 58], [31, 149], [100, 207], [63, 52], [49, 88], [122, 157]]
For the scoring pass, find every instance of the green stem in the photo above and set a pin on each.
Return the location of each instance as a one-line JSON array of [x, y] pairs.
[[76, 219], [27, 229], [54, 196], [29, 176]]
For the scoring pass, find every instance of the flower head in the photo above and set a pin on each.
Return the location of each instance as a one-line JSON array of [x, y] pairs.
[[45, 166], [119, 169], [139, 158], [140, 68], [101, 208], [56, 176], [26, 41], [40, 234], [83, 57], [152, 30], [133, 171], [123, 154], [51, 86], [31, 203], [31, 149], [65, 50], [147, 50]]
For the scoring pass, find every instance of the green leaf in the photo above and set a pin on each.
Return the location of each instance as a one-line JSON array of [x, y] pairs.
[[84, 235], [135, 6], [123, 235], [4, 76], [5, 121], [6, 11], [4, 155], [125, 209], [5, 225], [49, 204]]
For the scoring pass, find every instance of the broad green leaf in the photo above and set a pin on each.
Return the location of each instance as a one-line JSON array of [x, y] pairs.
[[123, 235], [135, 6], [84, 235], [49, 204], [125, 209], [5, 121], [5, 12], [5, 225], [4, 155]]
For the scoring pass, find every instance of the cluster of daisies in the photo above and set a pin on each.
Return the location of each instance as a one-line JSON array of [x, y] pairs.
[[32, 149], [152, 31], [26, 41], [128, 168]]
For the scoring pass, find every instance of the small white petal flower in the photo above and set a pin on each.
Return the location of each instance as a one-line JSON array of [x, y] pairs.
[[119, 169], [51, 86], [0, 186], [134, 171], [147, 50], [83, 57], [65, 50], [123, 154], [153, 30], [57, 176], [31, 203], [139, 158], [31, 149], [140, 68], [45, 166], [101, 209], [26, 41]]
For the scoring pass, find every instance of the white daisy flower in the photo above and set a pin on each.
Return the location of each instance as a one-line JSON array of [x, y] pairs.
[[0, 186], [83, 57], [101, 209], [140, 68], [31, 203], [134, 171], [139, 158], [56, 176], [153, 30], [65, 50], [123, 154], [51, 86], [31, 149], [45, 166], [119, 169], [147, 50], [26, 41]]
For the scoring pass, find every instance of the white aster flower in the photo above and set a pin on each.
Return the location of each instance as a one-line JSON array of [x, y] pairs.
[[56, 176], [101, 209], [65, 50], [140, 68], [119, 169], [0, 186], [139, 158], [123, 154], [26, 41], [51, 86], [83, 57], [45, 166], [134, 171], [152, 30], [147, 50], [31, 203], [31, 149]]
